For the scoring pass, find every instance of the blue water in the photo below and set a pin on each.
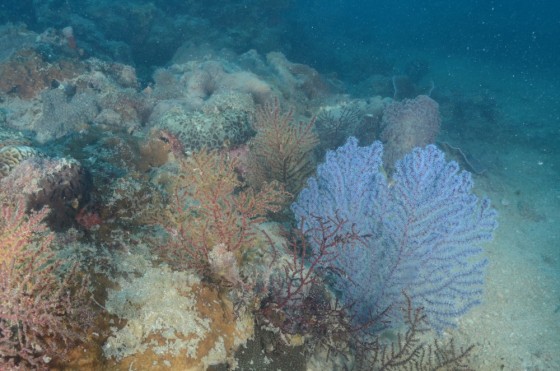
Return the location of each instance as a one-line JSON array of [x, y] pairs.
[[517, 32], [491, 66]]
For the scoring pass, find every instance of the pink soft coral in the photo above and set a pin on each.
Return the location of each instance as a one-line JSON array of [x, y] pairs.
[[40, 306]]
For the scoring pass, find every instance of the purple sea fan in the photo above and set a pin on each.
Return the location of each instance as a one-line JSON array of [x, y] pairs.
[[422, 231]]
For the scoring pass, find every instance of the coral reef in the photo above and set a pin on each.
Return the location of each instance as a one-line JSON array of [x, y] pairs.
[[62, 184], [146, 33], [65, 110], [306, 312], [343, 117], [63, 94], [160, 188], [13, 38], [26, 73]]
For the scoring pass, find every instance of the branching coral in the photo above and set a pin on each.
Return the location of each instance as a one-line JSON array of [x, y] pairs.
[[210, 207], [409, 351], [281, 150], [335, 123], [300, 304], [295, 293], [40, 311]]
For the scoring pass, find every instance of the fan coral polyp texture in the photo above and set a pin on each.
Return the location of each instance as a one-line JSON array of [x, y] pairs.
[[423, 231]]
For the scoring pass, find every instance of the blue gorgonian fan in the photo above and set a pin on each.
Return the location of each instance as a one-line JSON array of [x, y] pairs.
[[422, 231]]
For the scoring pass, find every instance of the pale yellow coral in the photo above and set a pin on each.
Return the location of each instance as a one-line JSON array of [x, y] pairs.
[[11, 156]]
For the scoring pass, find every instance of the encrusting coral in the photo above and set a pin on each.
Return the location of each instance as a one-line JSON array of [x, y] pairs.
[[193, 329], [224, 117]]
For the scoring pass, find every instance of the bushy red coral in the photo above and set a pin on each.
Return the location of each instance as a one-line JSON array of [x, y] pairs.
[[40, 306], [211, 206]]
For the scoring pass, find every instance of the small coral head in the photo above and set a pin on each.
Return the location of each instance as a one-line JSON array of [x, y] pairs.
[[175, 145]]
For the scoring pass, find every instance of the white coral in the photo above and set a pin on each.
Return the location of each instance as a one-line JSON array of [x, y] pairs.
[[160, 302]]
